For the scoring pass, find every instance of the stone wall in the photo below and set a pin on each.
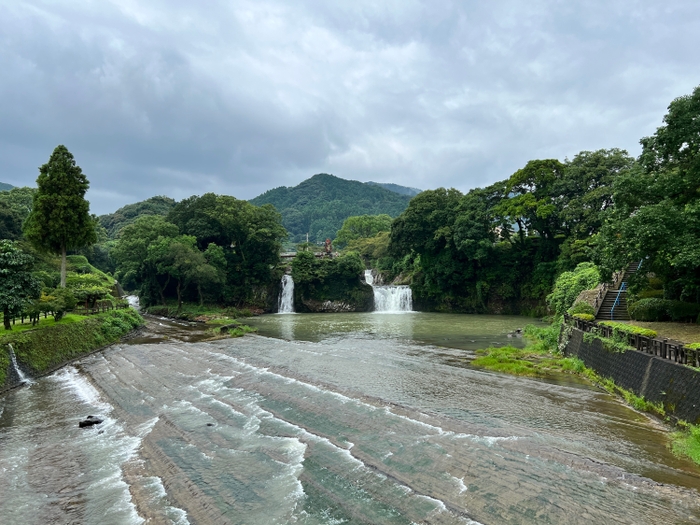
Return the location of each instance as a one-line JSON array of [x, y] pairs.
[[677, 386]]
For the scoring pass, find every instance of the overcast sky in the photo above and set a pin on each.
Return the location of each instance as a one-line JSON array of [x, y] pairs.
[[178, 97]]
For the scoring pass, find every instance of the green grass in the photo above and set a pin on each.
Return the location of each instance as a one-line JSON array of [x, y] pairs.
[[542, 356], [686, 441], [41, 350], [43, 323]]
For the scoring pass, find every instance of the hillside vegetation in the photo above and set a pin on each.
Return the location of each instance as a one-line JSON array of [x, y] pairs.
[[114, 222], [319, 205], [4, 186]]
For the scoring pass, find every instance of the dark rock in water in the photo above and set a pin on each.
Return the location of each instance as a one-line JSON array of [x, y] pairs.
[[210, 424], [90, 421]]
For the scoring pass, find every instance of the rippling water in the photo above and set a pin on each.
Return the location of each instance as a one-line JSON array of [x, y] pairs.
[[331, 419]]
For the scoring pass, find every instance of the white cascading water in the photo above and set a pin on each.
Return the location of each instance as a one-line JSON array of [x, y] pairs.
[[286, 300], [390, 299], [20, 374]]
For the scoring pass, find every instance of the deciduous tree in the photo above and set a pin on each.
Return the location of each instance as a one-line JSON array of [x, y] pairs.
[[18, 288]]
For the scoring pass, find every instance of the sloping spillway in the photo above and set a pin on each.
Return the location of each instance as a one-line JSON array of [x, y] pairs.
[[358, 428]]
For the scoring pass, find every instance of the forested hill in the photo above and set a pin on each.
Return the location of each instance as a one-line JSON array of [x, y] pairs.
[[114, 222], [401, 190], [4, 186], [319, 205]]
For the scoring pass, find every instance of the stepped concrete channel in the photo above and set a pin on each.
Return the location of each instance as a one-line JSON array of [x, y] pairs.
[[352, 418]]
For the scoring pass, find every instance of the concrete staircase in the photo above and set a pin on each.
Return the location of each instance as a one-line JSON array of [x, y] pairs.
[[614, 305]]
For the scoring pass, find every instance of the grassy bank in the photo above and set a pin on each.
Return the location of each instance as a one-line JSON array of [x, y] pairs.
[[42, 349], [223, 321], [543, 356]]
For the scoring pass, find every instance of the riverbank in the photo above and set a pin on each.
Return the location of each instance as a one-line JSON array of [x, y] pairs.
[[546, 354], [220, 321], [43, 349]]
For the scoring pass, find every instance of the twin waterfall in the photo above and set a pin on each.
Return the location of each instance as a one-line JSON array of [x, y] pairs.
[[285, 304], [387, 299], [390, 299]]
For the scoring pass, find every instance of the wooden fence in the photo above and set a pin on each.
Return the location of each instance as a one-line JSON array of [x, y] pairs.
[[100, 307], [663, 348]]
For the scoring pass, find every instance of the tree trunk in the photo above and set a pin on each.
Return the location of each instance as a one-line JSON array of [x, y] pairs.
[[6, 313], [63, 266], [162, 290], [201, 297], [179, 297]]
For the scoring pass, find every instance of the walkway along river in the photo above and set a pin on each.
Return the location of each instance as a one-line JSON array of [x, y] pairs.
[[352, 418]]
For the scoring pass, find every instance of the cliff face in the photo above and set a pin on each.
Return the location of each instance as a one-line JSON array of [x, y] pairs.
[[359, 298]]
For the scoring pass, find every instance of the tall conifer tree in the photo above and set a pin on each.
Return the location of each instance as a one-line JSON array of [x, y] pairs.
[[60, 219]]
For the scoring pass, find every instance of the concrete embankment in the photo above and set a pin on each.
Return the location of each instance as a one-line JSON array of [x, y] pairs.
[[658, 380]]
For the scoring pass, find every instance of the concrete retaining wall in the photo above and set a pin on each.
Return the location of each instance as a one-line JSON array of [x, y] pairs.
[[677, 386]]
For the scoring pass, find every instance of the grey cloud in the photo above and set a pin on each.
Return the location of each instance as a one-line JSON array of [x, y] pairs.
[[239, 97]]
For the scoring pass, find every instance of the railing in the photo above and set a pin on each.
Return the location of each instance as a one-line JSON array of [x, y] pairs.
[[662, 348], [598, 302], [99, 308], [617, 301]]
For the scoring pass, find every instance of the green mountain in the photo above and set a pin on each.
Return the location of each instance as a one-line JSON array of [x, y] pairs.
[[5, 186], [319, 205], [113, 222], [401, 190]]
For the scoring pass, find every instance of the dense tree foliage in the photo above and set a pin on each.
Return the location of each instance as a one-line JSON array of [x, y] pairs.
[[15, 205], [213, 248], [362, 226], [656, 216], [114, 222], [500, 248], [319, 205], [60, 218], [18, 287]]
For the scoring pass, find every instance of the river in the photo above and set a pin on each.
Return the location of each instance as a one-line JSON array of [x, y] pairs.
[[330, 419]]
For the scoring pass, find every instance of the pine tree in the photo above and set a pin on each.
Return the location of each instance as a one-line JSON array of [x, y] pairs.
[[60, 219]]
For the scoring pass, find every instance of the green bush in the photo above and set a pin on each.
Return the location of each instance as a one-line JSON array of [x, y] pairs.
[[650, 309], [655, 309], [582, 307], [585, 317], [623, 328], [693, 346], [569, 285]]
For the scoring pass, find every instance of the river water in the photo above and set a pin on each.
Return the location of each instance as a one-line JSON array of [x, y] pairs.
[[330, 419]]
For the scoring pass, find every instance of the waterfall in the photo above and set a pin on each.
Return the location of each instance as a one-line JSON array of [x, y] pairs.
[[20, 374], [134, 302], [286, 300], [390, 299], [393, 299]]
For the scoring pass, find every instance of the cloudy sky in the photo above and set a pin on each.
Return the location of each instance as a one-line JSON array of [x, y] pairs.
[[178, 97]]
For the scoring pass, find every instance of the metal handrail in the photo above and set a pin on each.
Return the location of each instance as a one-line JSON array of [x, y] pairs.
[[617, 300]]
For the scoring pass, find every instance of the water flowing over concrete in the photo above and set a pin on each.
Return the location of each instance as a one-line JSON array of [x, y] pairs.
[[390, 299], [20, 375], [355, 426], [134, 302], [286, 299]]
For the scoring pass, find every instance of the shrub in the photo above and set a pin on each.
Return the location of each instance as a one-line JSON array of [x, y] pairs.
[[654, 309], [693, 346], [570, 284], [585, 317], [623, 328], [582, 307]]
